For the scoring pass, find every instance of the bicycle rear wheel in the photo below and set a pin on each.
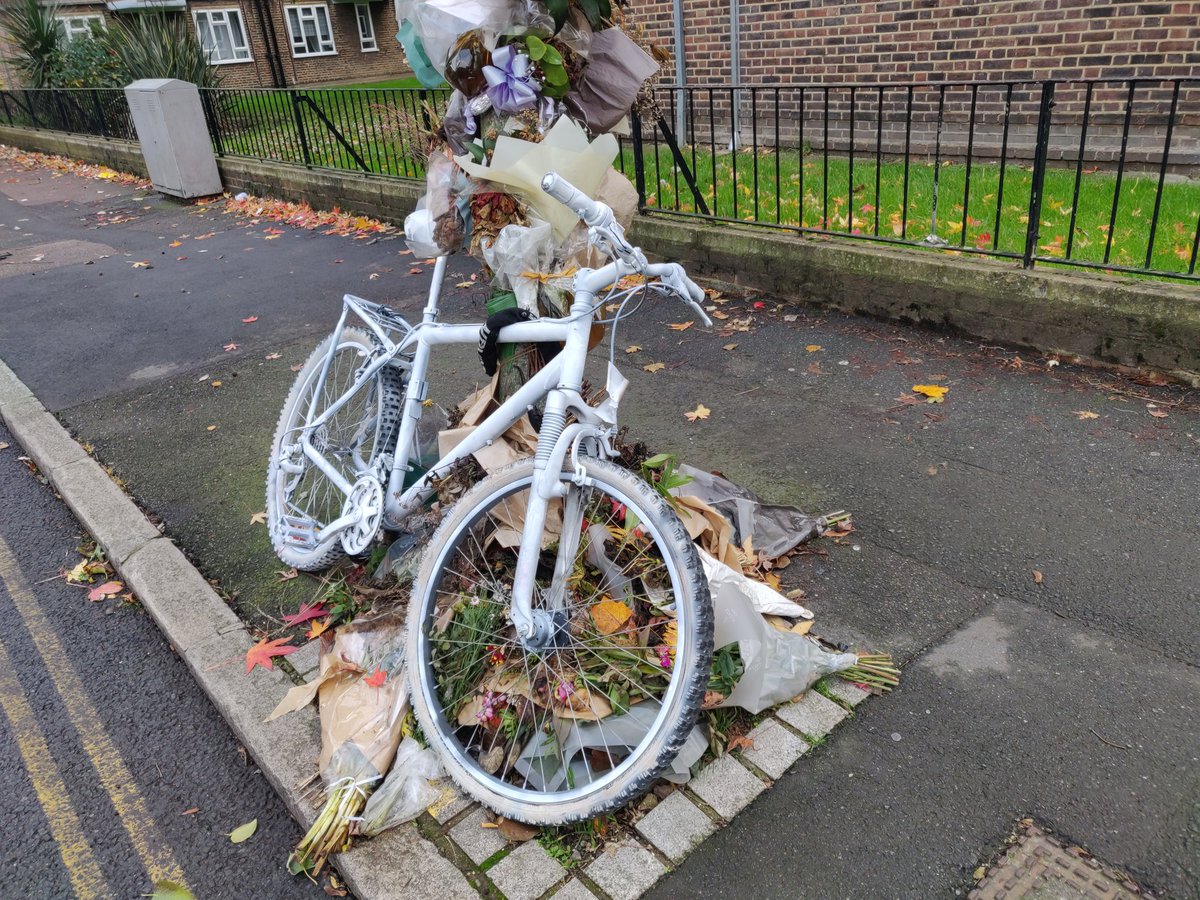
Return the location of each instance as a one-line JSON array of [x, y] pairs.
[[301, 499], [587, 722]]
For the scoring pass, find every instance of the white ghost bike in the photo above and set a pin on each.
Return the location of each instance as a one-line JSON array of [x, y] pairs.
[[560, 626]]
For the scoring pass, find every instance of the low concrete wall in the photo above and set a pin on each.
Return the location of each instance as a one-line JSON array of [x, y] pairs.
[[1117, 320]]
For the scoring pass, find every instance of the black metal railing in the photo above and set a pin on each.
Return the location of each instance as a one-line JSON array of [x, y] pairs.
[[1093, 174], [377, 130], [102, 112], [1097, 174]]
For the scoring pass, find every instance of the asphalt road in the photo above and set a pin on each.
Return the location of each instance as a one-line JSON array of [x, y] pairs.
[[1070, 698], [115, 771]]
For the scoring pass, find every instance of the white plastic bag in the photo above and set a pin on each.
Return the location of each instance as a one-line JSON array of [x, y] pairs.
[[520, 249], [406, 792], [778, 664]]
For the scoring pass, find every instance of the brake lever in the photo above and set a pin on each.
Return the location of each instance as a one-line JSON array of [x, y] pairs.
[[678, 282]]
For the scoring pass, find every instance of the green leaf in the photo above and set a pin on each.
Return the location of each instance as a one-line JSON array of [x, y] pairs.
[[619, 698], [478, 154], [555, 75], [555, 90], [536, 46], [552, 56], [170, 890], [243, 832], [558, 9], [597, 12], [655, 462]]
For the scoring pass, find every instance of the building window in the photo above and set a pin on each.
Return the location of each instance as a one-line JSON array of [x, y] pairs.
[[309, 29], [366, 29], [222, 35], [75, 27]]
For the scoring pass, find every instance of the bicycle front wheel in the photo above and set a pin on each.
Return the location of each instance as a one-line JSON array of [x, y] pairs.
[[301, 498], [586, 721]]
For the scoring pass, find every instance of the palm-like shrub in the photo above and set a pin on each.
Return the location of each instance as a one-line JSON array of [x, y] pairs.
[[35, 32], [159, 45]]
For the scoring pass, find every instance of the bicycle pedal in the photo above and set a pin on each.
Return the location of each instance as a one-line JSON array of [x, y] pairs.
[[299, 532]]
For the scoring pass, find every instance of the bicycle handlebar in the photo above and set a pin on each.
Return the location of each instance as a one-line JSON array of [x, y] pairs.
[[599, 216], [574, 199]]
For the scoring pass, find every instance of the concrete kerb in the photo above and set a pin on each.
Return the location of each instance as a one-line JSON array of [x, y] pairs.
[[213, 642]]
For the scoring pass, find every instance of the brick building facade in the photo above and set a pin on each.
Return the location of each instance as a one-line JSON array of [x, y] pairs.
[[931, 40], [265, 43]]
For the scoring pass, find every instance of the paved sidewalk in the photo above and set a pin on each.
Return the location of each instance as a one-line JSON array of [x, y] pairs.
[[1025, 548]]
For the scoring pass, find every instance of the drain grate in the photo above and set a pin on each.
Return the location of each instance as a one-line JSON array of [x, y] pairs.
[[1041, 867]]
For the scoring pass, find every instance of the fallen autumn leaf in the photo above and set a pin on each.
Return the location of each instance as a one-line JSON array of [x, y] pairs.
[[243, 832], [935, 392], [108, 589], [700, 412], [264, 651]]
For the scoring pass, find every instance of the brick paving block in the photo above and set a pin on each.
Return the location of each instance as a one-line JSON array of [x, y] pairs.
[[775, 748], [306, 660], [526, 873], [727, 786], [812, 714], [846, 692], [477, 842], [626, 870], [451, 802], [675, 826], [574, 890]]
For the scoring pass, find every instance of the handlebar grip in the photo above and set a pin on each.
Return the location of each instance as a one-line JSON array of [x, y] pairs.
[[573, 198]]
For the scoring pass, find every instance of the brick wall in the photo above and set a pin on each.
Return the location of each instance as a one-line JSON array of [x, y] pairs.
[[929, 40]]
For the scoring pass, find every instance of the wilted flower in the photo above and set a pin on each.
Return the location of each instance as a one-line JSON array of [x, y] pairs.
[[493, 705], [564, 690], [510, 82], [664, 655]]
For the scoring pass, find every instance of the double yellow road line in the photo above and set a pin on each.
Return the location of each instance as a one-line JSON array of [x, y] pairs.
[[86, 878]]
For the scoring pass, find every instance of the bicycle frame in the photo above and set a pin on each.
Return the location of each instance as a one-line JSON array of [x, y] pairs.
[[559, 382]]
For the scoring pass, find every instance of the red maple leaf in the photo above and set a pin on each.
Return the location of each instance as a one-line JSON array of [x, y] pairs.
[[376, 678], [264, 651], [307, 611]]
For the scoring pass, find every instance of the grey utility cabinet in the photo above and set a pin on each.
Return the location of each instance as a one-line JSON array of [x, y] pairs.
[[170, 126]]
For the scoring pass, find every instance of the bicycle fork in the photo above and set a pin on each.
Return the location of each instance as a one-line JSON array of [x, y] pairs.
[[536, 628]]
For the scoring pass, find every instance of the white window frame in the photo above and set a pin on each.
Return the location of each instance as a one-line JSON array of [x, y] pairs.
[[77, 26], [215, 18], [366, 38], [296, 16]]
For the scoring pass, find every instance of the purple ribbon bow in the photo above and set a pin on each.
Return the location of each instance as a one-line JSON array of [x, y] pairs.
[[510, 85]]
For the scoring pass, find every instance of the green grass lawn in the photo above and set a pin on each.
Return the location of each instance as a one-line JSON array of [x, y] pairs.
[[376, 121], [791, 194], [409, 83]]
